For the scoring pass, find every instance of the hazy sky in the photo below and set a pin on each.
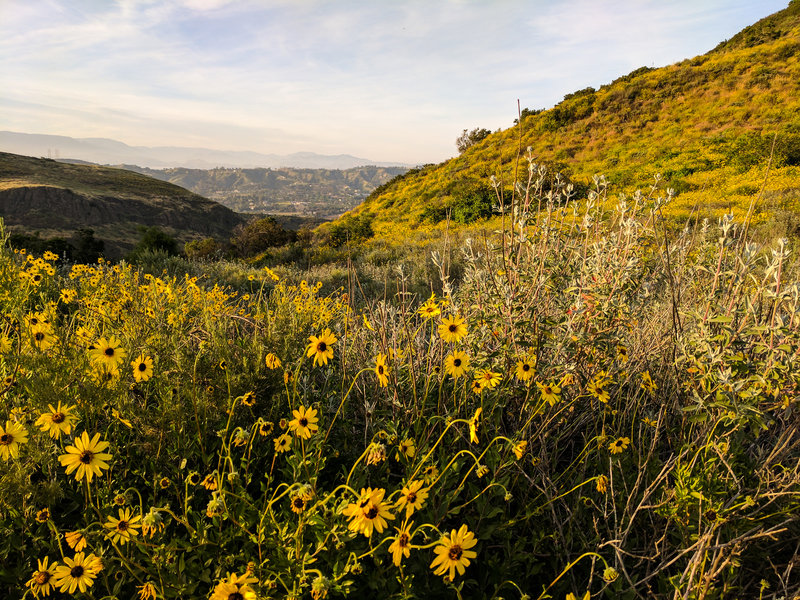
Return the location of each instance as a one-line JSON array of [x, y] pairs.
[[389, 80]]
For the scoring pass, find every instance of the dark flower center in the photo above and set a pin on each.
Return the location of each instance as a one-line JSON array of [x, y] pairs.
[[142, 367], [38, 336], [299, 503], [380, 369], [122, 526], [76, 571], [58, 417], [109, 352], [548, 390], [322, 346], [303, 422], [235, 596], [456, 362], [403, 541], [455, 552], [411, 497], [452, 328], [372, 512], [526, 367], [86, 457], [42, 577], [6, 439]]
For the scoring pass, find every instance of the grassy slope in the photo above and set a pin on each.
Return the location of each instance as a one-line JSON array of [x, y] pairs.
[[705, 124]]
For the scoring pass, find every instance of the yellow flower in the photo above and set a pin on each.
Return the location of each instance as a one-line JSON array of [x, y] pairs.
[[453, 552], [598, 387], [376, 454], [147, 591], [407, 448], [648, 383], [122, 530], [43, 515], [321, 348], [412, 497], [152, 523], [602, 484], [265, 428], [42, 336], [430, 474], [75, 540], [78, 572], [142, 368], [473, 425], [526, 368], [107, 353], [381, 370], [430, 309], [619, 445], [210, 481], [59, 420], [304, 423], [86, 457], [487, 379], [10, 439], [42, 579], [283, 443], [452, 329], [401, 546], [369, 513], [272, 362], [519, 448], [234, 586], [550, 392], [456, 364], [249, 399]]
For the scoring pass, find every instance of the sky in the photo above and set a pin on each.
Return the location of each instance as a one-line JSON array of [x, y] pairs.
[[389, 80]]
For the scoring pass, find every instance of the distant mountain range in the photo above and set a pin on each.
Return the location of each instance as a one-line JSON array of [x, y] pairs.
[[111, 152]]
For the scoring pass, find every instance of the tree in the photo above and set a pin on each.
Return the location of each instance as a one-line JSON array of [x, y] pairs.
[[470, 138], [155, 240], [259, 235]]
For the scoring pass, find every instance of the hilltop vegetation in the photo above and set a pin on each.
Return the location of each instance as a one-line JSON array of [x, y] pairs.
[[707, 125], [55, 199], [318, 193]]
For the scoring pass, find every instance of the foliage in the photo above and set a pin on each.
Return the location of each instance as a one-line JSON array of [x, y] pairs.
[[259, 235], [469, 138]]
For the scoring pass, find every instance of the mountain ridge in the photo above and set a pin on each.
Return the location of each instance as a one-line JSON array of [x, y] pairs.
[[106, 151]]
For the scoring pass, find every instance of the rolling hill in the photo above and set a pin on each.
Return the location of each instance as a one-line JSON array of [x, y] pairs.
[[56, 199], [707, 125]]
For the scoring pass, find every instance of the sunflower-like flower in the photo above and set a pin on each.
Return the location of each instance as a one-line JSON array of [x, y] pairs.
[[526, 368], [236, 587], [369, 513], [619, 445], [406, 448], [123, 530], [430, 309], [456, 364], [453, 552], [598, 387], [78, 572], [452, 329], [11, 438], [304, 423], [519, 448], [272, 362], [550, 392], [487, 378], [57, 421], [381, 370], [283, 443], [75, 540], [647, 382], [86, 457], [107, 353], [412, 497], [321, 348], [401, 546], [42, 579], [142, 368]]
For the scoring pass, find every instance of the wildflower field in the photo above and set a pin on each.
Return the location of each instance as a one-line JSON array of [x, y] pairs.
[[599, 406]]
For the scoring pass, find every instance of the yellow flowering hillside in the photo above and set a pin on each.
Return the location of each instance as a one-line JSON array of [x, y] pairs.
[[708, 125]]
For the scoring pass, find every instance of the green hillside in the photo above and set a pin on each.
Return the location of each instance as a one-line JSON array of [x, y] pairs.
[[52, 198], [706, 125]]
